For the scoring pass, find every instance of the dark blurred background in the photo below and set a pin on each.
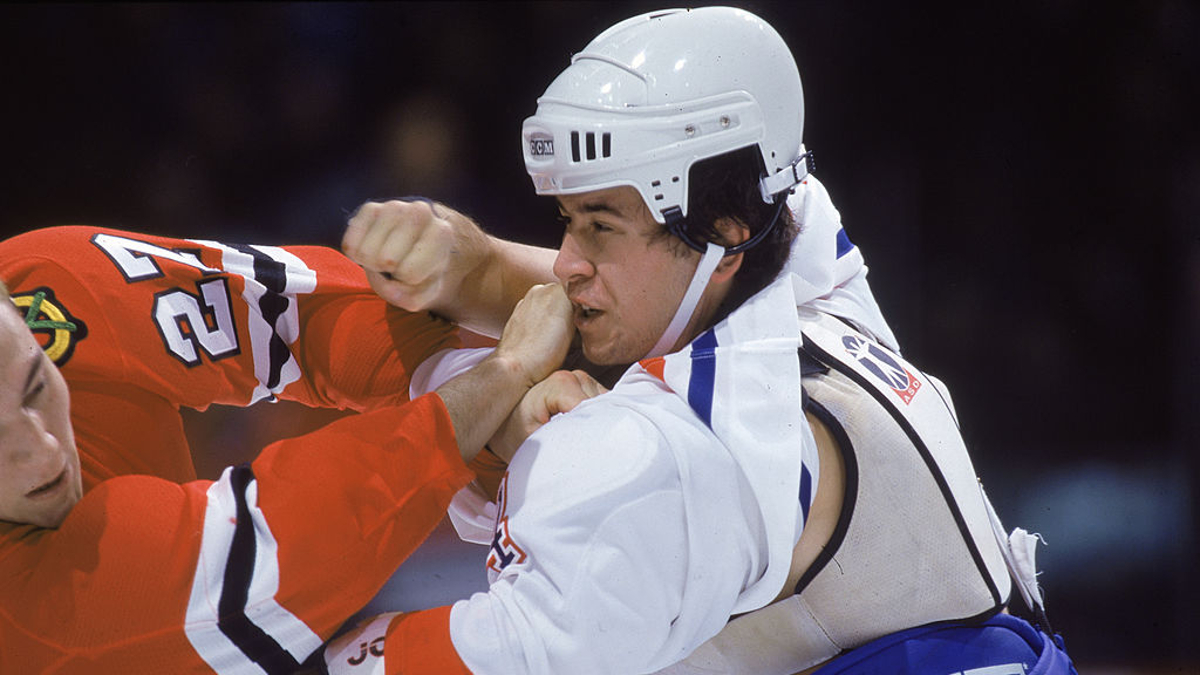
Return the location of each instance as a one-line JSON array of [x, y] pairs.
[[1024, 179]]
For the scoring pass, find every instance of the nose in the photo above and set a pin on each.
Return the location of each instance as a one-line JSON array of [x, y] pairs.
[[571, 263], [30, 441]]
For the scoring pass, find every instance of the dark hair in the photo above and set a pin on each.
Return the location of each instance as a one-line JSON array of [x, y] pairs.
[[726, 186]]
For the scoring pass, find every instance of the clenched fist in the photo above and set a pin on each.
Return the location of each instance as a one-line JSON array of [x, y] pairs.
[[539, 332], [558, 393], [416, 254]]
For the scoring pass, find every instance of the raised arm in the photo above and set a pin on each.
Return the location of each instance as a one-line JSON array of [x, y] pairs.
[[158, 323], [421, 255], [203, 322]]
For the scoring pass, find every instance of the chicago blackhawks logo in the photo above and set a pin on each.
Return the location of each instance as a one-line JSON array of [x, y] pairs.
[[54, 327]]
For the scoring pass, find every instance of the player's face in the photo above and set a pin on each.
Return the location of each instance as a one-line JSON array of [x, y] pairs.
[[625, 280], [39, 466]]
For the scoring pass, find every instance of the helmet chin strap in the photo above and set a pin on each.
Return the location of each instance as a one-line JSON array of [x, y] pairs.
[[687, 306]]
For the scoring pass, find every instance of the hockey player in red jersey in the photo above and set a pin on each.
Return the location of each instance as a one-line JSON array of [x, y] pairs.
[[115, 558]]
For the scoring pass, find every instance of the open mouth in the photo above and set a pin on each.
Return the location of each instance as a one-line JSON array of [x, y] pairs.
[[584, 312], [48, 487]]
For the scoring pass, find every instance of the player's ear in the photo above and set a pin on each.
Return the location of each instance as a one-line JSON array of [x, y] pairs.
[[731, 233]]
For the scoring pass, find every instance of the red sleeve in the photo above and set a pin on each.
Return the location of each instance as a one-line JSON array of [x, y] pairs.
[[385, 506], [358, 352], [153, 324], [262, 565], [419, 642], [206, 322]]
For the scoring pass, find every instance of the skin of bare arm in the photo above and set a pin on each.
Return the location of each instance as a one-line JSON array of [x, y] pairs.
[[533, 344]]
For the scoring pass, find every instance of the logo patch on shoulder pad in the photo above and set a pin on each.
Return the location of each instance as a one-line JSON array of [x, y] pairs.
[[881, 364], [56, 330]]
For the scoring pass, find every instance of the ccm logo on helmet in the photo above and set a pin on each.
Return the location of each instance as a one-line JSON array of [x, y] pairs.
[[541, 147]]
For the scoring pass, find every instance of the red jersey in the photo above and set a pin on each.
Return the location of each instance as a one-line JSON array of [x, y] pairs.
[[154, 571]]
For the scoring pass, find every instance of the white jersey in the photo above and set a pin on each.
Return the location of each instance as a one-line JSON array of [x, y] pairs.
[[629, 531]]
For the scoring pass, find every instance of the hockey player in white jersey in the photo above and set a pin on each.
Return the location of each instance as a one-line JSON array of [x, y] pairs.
[[770, 486]]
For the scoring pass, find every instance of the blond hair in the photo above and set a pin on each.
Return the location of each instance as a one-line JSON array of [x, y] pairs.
[[3, 290]]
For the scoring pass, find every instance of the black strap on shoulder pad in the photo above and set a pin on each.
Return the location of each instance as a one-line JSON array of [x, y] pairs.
[[809, 364]]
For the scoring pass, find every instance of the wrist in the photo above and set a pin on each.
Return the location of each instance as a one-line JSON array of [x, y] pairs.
[[509, 369], [480, 399]]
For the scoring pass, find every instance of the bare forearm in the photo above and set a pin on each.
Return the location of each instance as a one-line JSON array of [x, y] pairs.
[[533, 343], [481, 399], [486, 297]]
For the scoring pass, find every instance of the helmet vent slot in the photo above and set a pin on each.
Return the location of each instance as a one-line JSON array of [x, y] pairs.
[[587, 149]]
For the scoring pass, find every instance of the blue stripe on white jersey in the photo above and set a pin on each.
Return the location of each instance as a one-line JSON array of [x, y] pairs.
[[704, 367], [844, 245], [700, 393]]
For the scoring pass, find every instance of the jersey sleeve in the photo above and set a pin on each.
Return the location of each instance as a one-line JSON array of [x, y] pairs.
[[575, 584], [200, 322], [140, 326], [258, 567]]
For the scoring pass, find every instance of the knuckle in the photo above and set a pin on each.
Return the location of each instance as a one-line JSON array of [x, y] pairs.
[[366, 212], [394, 210]]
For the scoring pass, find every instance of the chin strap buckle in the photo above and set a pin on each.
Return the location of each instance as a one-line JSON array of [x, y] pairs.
[[788, 177]]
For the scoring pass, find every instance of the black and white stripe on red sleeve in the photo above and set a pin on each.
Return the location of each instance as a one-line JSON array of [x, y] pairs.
[[233, 619]]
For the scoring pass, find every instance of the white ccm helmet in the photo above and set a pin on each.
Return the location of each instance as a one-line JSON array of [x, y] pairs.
[[654, 94]]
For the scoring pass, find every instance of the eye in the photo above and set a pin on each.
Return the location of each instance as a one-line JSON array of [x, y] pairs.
[[563, 219], [600, 227], [34, 393]]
